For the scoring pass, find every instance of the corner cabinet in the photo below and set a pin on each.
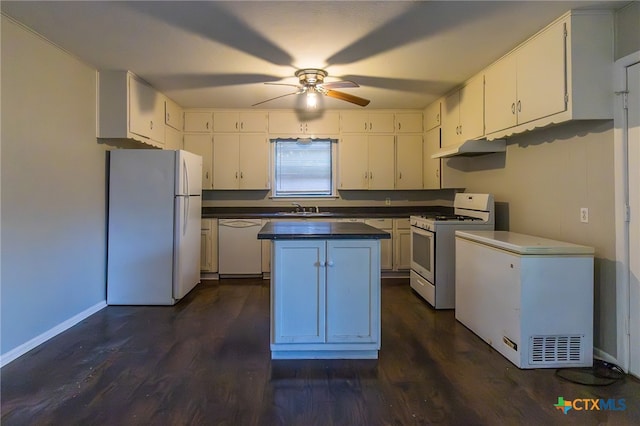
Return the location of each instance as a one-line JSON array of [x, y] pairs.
[[129, 108], [326, 298], [562, 73], [202, 145]]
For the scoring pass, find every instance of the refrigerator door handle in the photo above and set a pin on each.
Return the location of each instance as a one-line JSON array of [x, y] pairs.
[[185, 172], [185, 223]]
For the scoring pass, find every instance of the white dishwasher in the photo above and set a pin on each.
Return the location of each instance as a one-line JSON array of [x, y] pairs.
[[530, 298], [239, 250]]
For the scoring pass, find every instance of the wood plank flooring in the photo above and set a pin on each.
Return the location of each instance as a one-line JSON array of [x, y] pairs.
[[206, 361]]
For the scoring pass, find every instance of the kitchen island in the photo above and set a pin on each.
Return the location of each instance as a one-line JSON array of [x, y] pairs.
[[325, 289]]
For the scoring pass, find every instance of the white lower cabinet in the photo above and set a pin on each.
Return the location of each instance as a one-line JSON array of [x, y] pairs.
[[209, 245], [402, 244], [386, 246], [325, 299]]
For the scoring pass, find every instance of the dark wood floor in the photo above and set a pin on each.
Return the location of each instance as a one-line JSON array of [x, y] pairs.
[[206, 361]]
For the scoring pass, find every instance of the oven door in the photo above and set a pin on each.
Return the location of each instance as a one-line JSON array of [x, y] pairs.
[[422, 253]]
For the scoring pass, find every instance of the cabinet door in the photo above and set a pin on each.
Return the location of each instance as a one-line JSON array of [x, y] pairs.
[[409, 162], [409, 122], [196, 121], [298, 287], [353, 165], [500, 95], [354, 122], [226, 121], [381, 122], [451, 119], [381, 161], [254, 161], [205, 246], [352, 291], [172, 138], [213, 259], [284, 124], [202, 145], [386, 246], [542, 75], [253, 121], [146, 111], [432, 115], [327, 125], [472, 109], [401, 244], [173, 114], [226, 161], [431, 166]]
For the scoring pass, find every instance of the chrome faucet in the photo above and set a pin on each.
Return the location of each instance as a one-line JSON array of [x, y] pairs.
[[298, 206]]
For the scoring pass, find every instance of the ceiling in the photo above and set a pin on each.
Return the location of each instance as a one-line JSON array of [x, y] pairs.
[[218, 54]]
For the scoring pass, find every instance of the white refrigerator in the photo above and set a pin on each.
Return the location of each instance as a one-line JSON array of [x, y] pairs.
[[153, 226]]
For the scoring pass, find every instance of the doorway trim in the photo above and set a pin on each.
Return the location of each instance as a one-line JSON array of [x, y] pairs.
[[621, 200]]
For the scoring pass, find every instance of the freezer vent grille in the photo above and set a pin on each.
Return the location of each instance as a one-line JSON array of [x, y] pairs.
[[556, 349]]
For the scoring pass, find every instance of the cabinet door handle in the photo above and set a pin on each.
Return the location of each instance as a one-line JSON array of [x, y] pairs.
[[366, 175], [168, 117], [236, 175], [206, 175], [400, 175], [236, 125], [513, 108], [241, 176], [151, 125], [241, 125], [437, 173], [519, 106], [399, 126], [370, 126], [365, 125], [370, 175], [437, 118], [330, 263], [207, 125]]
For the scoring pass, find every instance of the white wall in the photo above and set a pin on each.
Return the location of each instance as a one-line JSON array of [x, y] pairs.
[[540, 184], [53, 225]]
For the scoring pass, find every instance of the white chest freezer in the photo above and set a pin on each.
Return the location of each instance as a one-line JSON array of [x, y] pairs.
[[530, 298]]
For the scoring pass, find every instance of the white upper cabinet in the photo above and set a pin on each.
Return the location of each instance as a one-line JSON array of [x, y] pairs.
[[463, 113], [408, 122], [240, 161], [432, 115], [409, 161], [173, 114], [202, 145], [240, 121], [562, 73], [130, 109], [366, 162], [431, 166], [287, 124], [366, 122], [198, 121]]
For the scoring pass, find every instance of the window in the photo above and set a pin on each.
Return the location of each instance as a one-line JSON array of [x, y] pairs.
[[303, 168]]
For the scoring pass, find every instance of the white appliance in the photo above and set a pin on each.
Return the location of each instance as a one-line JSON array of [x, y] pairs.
[[530, 298], [432, 273], [241, 250], [154, 226]]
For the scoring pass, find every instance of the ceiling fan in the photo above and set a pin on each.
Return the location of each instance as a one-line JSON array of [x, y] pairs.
[[312, 83]]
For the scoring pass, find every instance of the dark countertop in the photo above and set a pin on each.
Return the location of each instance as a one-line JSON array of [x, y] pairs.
[[332, 213], [320, 231]]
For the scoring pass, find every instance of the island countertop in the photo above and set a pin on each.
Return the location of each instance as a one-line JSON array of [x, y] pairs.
[[320, 231]]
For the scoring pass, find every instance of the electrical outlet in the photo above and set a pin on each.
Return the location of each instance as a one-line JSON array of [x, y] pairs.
[[387, 201], [584, 215]]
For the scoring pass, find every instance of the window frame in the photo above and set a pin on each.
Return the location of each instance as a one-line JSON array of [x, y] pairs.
[[334, 169]]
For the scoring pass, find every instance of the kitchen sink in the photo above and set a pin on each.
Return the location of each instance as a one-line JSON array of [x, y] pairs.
[[304, 214]]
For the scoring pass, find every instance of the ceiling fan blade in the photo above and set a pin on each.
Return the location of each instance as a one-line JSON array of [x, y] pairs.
[[285, 84], [277, 97], [339, 84], [347, 97]]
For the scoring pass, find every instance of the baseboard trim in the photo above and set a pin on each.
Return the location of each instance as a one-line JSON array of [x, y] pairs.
[[17, 352]]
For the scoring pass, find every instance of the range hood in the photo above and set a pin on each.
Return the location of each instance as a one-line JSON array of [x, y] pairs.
[[471, 148]]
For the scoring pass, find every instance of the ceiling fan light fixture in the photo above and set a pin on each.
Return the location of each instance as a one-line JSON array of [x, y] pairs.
[[312, 99]]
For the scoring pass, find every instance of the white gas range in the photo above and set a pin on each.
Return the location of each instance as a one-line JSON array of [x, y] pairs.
[[433, 246]]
